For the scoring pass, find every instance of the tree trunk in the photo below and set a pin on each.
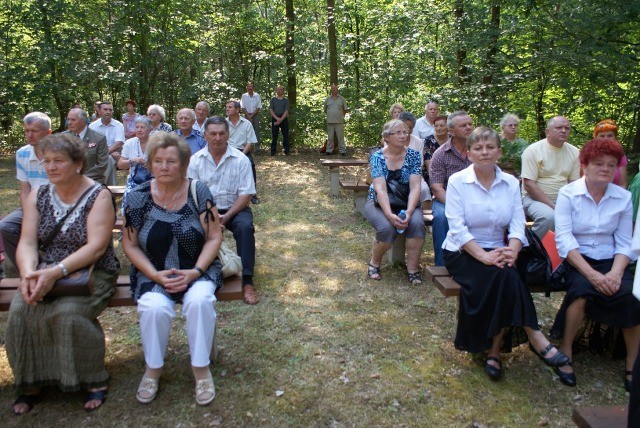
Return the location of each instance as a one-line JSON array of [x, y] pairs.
[[291, 70], [494, 29], [333, 47], [461, 53], [51, 63]]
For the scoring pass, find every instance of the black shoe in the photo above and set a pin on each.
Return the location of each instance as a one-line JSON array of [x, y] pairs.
[[495, 373], [343, 154], [255, 200], [568, 379], [329, 154], [627, 382], [273, 153], [558, 360]]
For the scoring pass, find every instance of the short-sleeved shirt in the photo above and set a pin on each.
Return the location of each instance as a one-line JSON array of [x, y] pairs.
[[251, 103], [445, 162], [279, 106], [29, 168], [335, 109], [241, 133], [129, 122], [423, 128], [412, 165], [170, 239], [229, 179], [550, 167], [194, 140], [114, 131]]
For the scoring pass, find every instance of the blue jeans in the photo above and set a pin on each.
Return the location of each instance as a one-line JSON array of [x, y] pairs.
[[439, 228]]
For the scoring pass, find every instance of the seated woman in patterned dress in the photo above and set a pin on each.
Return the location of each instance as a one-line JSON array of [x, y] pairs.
[[58, 341], [486, 232], [402, 165], [172, 238]]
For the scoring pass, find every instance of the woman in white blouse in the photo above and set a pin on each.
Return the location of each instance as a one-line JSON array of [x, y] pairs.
[[484, 208], [593, 235], [134, 152]]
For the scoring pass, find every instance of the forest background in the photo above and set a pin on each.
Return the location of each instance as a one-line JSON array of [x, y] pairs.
[[536, 58]]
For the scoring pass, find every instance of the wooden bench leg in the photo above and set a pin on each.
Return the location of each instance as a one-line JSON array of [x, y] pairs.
[[397, 251], [334, 177]]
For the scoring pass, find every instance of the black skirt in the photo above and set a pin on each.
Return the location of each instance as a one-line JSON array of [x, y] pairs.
[[491, 299], [620, 310]]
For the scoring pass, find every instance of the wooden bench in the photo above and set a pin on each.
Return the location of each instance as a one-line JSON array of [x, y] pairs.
[[440, 277], [232, 290], [360, 193], [334, 171], [600, 417]]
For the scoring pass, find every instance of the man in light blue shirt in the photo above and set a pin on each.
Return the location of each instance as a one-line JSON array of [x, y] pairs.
[[185, 118], [30, 173]]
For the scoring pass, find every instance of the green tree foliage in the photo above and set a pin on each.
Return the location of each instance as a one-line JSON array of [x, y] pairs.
[[535, 58]]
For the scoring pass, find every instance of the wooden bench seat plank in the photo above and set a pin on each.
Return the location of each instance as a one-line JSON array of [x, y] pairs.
[[600, 417], [232, 290], [434, 271]]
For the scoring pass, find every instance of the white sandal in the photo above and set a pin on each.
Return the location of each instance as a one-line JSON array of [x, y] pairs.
[[149, 387], [205, 391]]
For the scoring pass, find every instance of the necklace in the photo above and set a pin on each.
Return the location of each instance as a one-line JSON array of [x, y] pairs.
[[157, 192]]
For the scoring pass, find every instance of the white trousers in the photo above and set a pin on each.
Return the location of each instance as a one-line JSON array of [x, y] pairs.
[[156, 313]]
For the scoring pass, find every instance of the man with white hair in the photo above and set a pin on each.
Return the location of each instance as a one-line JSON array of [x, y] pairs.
[[202, 112], [251, 104], [30, 173], [185, 119], [425, 126], [96, 144], [114, 131]]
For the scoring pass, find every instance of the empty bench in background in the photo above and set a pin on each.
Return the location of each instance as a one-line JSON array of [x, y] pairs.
[[334, 171], [600, 417]]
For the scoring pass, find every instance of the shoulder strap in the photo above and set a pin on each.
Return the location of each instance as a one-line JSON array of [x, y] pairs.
[[45, 242], [194, 194]]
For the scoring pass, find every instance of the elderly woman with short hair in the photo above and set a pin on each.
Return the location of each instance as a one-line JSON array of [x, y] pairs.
[[134, 155], [158, 116], [593, 235], [399, 166], [512, 145], [58, 341], [172, 238]]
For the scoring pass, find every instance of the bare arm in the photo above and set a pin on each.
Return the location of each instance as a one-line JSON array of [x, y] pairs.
[[607, 284], [439, 193], [241, 203], [536, 193], [25, 189]]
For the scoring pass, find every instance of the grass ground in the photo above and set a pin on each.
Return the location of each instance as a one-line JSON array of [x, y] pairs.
[[325, 346]]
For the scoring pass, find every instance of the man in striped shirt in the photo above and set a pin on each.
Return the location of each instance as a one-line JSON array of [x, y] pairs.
[[227, 173]]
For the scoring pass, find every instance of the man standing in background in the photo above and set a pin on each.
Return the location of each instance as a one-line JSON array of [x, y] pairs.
[[251, 104], [335, 107], [279, 111]]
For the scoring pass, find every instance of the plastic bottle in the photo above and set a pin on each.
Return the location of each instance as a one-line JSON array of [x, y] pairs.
[[402, 215]]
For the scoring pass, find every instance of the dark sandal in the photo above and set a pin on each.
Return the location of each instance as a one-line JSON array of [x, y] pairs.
[[415, 278], [558, 360], [495, 373], [30, 400], [100, 395], [372, 271], [568, 379], [627, 382]]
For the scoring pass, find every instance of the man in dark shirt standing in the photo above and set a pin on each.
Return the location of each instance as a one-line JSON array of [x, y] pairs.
[[279, 111]]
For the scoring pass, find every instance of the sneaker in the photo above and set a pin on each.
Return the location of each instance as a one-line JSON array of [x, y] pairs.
[[255, 200]]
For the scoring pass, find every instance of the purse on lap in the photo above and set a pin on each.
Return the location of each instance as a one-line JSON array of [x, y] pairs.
[[397, 192], [78, 283]]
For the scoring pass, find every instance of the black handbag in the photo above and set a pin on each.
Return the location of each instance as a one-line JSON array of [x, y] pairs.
[[140, 174], [534, 266], [397, 192]]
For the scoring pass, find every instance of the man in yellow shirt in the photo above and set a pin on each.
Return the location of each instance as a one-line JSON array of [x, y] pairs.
[[547, 165]]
